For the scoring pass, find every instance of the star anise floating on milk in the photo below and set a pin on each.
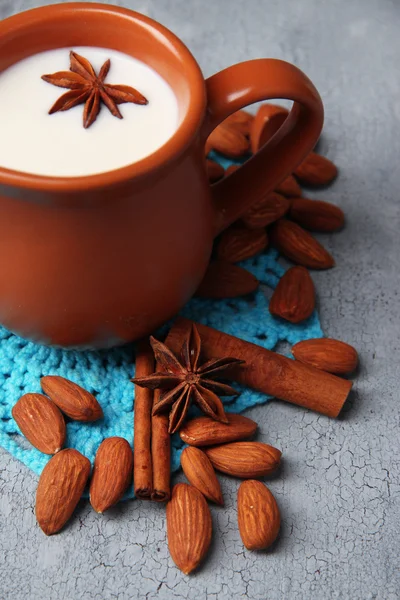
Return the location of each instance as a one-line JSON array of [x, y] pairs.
[[87, 87], [185, 380]]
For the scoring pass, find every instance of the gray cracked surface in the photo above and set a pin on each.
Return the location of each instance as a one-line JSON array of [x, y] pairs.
[[339, 488]]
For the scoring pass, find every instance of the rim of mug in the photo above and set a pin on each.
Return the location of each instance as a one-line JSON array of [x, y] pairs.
[[161, 157]]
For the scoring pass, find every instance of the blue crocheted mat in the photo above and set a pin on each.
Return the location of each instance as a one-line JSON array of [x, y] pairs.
[[107, 373]]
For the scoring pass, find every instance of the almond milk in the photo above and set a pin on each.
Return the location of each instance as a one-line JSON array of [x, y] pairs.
[[32, 141]]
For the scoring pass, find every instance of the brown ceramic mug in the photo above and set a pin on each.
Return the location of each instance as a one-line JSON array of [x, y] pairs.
[[104, 259]]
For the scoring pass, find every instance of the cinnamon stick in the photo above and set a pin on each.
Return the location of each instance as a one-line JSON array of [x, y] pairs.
[[270, 372], [161, 457], [143, 471]]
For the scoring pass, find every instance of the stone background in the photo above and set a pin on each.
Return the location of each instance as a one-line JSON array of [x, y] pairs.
[[339, 486]]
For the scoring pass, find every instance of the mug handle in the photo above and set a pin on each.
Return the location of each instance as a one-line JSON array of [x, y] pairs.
[[241, 85]]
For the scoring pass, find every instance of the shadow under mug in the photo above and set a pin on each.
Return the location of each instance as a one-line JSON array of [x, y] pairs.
[[101, 260]]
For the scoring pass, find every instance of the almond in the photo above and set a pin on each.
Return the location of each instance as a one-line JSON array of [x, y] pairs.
[[214, 171], [231, 169], [316, 170], [72, 399], [242, 120], [41, 422], [245, 459], [207, 148], [239, 243], [189, 527], [266, 123], [327, 354], [204, 431], [60, 487], [200, 473], [112, 473], [316, 215], [289, 187], [265, 211], [229, 141], [294, 296], [225, 280], [259, 519], [299, 246]]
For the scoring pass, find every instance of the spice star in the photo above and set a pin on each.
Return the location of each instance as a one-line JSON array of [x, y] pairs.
[[184, 381], [89, 88]]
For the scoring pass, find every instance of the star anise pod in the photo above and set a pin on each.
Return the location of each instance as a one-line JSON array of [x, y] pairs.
[[89, 88], [184, 380]]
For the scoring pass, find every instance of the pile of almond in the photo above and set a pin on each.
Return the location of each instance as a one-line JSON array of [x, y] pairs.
[[211, 446], [63, 480], [283, 218], [214, 445]]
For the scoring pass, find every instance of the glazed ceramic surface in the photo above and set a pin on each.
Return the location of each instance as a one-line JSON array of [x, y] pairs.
[[100, 260]]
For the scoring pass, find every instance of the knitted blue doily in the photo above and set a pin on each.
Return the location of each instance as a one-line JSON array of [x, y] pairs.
[[107, 373]]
